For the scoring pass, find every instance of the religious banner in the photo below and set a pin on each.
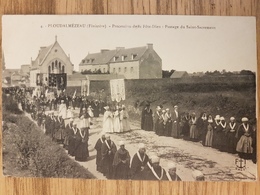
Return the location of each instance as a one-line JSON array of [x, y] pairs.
[[117, 87], [85, 87], [62, 81]]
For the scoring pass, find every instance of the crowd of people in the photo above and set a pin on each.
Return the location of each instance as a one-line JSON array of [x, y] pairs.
[[117, 164], [58, 120], [225, 135]]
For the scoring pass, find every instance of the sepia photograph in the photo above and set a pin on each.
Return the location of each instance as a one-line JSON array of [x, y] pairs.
[[129, 97]]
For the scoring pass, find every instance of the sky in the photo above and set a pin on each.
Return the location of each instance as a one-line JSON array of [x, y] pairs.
[[192, 44]]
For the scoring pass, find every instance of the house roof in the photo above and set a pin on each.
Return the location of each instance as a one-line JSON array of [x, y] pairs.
[[138, 51], [99, 58], [179, 74], [41, 55], [107, 56]]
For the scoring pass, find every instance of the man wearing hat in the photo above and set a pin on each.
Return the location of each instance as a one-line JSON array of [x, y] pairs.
[[171, 174], [231, 132], [175, 123], [244, 135], [121, 162], [138, 162], [153, 170], [108, 150]]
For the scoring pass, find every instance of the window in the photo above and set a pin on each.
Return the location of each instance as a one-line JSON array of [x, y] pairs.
[[125, 69], [116, 58], [114, 70], [104, 70], [119, 69], [92, 60], [63, 69], [124, 58], [132, 69], [87, 61], [134, 56], [52, 66], [83, 61], [59, 67]]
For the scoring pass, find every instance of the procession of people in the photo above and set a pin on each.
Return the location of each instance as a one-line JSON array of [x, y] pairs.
[[58, 121], [233, 136]]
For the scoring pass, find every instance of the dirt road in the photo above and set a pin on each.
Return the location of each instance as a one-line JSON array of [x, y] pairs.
[[217, 166]]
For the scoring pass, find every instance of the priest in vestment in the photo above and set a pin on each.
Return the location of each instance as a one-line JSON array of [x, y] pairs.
[[121, 162]]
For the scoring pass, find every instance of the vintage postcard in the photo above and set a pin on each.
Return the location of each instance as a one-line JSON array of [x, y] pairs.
[[123, 97]]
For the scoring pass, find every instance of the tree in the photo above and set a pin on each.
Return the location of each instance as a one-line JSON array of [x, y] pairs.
[[246, 72]]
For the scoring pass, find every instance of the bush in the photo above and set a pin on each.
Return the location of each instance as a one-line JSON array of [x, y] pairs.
[[10, 105], [27, 149]]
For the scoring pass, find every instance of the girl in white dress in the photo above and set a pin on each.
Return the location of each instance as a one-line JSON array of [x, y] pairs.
[[116, 121], [107, 121]]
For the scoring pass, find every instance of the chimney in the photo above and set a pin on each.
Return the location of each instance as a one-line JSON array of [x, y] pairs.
[[104, 50], [149, 46]]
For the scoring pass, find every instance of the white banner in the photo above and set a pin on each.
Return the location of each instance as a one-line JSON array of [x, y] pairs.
[[117, 87], [85, 87]]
